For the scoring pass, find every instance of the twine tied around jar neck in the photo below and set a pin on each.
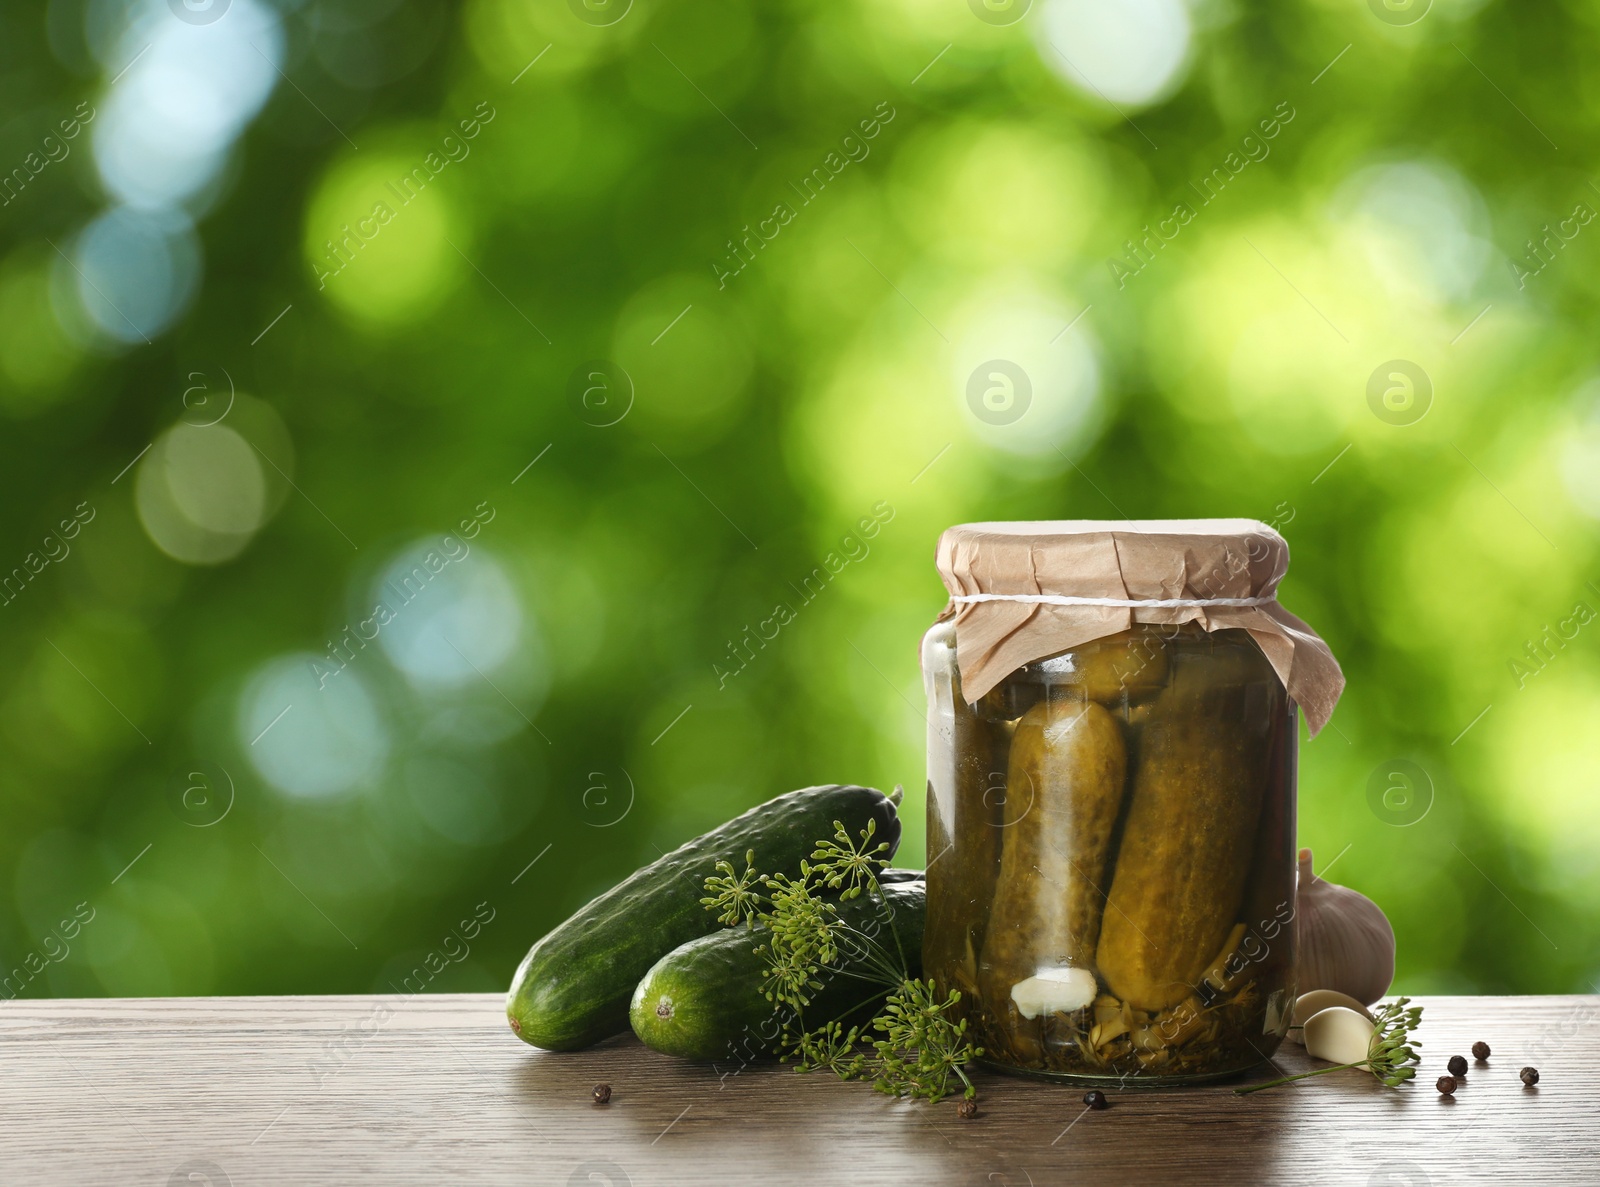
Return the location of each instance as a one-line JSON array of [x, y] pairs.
[[1121, 603]]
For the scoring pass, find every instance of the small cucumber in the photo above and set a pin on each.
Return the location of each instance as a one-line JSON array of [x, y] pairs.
[[892, 876], [574, 986], [703, 1000]]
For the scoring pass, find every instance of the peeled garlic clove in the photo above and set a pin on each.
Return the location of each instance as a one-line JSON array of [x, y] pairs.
[[1308, 1004], [1339, 1035], [1343, 940], [1054, 991]]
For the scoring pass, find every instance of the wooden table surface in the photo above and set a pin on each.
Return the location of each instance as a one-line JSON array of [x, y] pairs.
[[436, 1089]]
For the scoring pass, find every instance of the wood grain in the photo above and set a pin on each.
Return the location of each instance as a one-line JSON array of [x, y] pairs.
[[436, 1089]]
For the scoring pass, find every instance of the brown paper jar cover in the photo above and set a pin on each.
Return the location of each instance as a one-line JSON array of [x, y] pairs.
[[1207, 561]]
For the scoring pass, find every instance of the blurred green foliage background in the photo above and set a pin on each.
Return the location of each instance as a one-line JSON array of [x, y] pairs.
[[281, 346]]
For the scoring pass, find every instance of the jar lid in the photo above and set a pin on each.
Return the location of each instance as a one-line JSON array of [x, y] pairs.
[[1025, 590]]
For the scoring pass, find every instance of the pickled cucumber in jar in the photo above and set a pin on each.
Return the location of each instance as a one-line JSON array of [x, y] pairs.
[[1188, 844], [1131, 666], [1068, 767]]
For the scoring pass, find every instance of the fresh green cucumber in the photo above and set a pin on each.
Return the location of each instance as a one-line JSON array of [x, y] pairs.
[[889, 876], [574, 986], [704, 1000]]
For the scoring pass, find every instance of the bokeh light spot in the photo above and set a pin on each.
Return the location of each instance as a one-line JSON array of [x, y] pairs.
[[169, 121], [453, 613], [688, 357], [1425, 227], [1024, 382], [135, 271], [1133, 51], [308, 736], [996, 195], [35, 356], [1579, 447], [379, 230], [215, 478], [1546, 754], [201, 493]]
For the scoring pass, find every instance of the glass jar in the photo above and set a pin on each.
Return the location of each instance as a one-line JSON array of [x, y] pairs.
[[1111, 869]]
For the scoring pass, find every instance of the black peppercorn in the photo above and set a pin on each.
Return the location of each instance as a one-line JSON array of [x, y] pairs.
[[1446, 1085], [602, 1094], [967, 1110], [1457, 1066], [1530, 1076], [1096, 1099], [1480, 1051]]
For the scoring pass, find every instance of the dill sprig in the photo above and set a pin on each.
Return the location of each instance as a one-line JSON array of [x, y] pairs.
[[733, 894], [805, 938], [802, 933], [830, 1048], [841, 863], [924, 1047], [1392, 1055]]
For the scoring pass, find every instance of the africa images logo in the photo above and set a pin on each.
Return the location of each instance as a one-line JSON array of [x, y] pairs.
[[999, 392], [1399, 392]]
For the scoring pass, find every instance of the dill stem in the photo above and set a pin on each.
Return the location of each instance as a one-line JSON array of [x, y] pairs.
[[1321, 1071]]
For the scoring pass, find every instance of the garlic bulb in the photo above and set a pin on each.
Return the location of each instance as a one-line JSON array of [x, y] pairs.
[[1344, 940]]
